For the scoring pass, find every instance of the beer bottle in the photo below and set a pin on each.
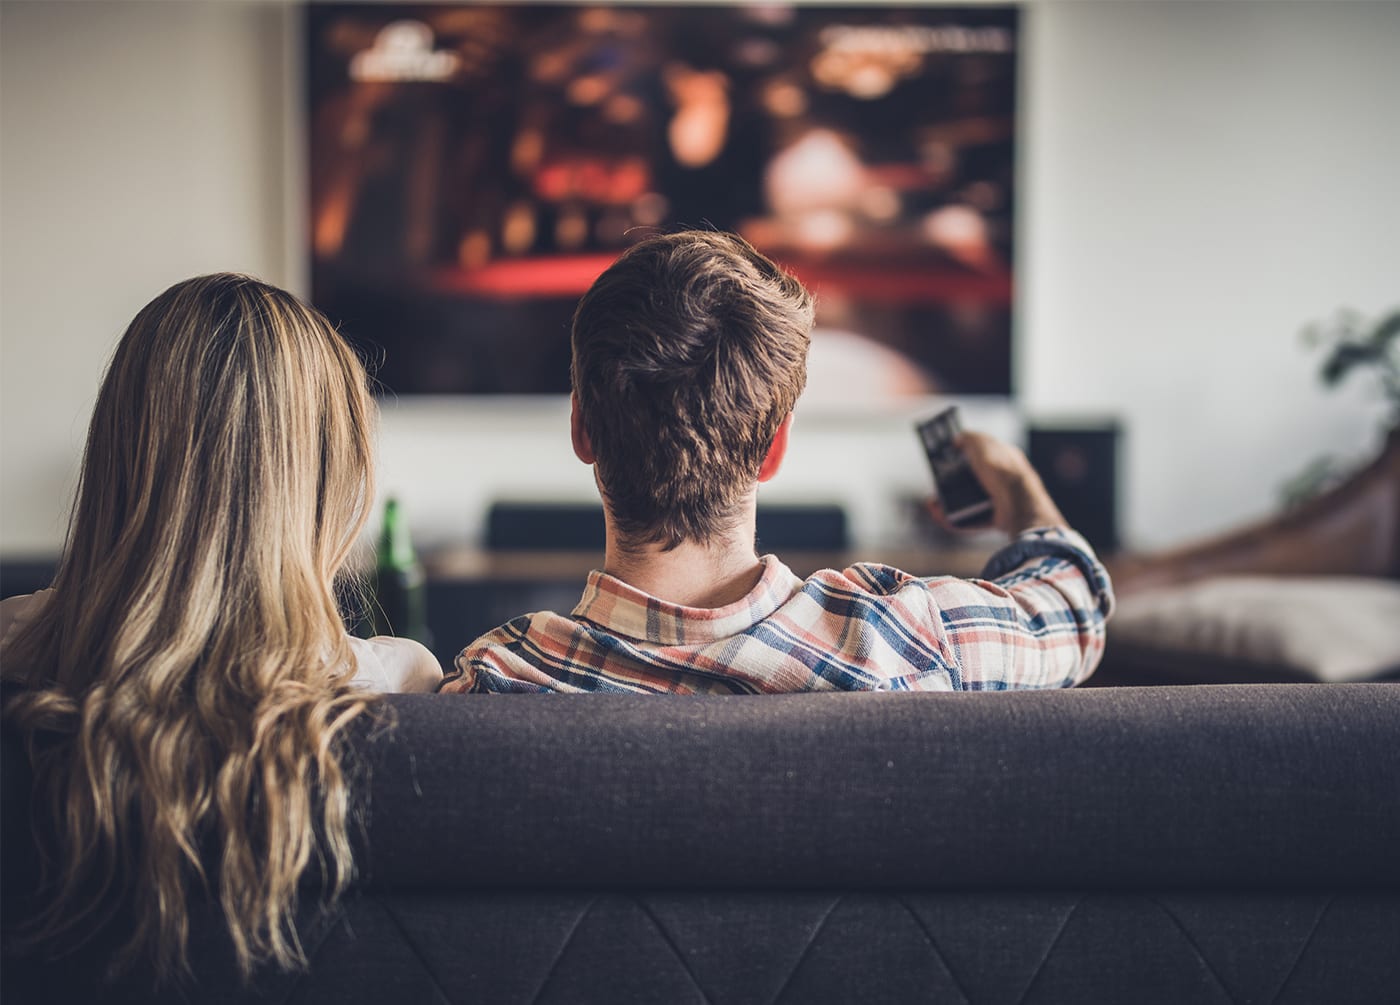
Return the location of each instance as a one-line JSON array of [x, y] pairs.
[[400, 591]]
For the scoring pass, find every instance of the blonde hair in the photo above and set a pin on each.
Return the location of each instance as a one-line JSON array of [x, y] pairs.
[[688, 353], [186, 687]]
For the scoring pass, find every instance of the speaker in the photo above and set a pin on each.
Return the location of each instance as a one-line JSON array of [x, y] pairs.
[[816, 527], [538, 526], [1079, 465]]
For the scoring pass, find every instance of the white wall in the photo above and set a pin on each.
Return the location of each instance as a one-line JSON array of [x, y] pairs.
[[1198, 180], [1201, 180], [140, 144]]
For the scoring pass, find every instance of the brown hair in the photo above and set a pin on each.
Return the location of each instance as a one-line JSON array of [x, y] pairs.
[[186, 686], [688, 353]]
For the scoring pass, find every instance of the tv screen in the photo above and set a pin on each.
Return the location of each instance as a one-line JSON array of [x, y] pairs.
[[474, 167]]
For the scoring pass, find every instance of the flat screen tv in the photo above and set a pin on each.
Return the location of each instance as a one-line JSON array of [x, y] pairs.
[[474, 167]]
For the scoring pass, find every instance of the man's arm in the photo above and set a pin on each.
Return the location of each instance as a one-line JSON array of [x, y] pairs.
[[1037, 617]]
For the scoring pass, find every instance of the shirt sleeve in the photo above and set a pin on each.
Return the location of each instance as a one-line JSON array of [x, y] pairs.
[[390, 664], [496, 664], [1035, 619]]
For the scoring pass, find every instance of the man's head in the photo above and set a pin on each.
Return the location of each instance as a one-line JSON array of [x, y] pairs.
[[688, 354]]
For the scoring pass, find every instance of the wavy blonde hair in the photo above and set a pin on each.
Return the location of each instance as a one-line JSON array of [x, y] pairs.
[[186, 687]]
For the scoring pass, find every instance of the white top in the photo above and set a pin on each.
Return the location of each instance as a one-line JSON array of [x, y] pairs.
[[382, 663]]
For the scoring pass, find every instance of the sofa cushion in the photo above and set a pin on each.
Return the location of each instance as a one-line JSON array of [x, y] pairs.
[[1333, 629]]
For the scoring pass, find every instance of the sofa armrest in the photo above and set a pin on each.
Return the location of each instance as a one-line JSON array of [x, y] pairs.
[[1353, 529]]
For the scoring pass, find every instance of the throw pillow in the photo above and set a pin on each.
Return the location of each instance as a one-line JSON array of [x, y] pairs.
[[1316, 628]]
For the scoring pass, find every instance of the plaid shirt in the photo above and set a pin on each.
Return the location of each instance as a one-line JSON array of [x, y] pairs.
[[1036, 619]]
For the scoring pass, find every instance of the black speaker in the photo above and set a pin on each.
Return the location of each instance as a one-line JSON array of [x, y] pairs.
[[814, 527], [1079, 465], [533, 526]]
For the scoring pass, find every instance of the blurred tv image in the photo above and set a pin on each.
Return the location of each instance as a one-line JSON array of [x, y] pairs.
[[473, 168]]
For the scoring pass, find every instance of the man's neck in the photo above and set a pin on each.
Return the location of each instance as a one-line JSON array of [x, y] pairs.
[[715, 573]]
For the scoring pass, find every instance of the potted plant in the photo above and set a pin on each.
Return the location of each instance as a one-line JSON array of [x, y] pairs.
[[1353, 343]]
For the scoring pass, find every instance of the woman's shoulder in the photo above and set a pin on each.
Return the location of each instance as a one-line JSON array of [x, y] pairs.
[[16, 612], [386, 663]]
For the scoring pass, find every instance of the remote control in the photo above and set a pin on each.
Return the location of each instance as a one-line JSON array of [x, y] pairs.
[[965, 501]]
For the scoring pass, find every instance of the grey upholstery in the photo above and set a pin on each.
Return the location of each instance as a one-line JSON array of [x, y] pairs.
[[1207, 844]]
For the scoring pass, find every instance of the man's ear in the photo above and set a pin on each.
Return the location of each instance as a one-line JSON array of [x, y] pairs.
[[583, 447], [777, 450]]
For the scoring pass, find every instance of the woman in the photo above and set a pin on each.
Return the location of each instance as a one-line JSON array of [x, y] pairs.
[[186, 684]]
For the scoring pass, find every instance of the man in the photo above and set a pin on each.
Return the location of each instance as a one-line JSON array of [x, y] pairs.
[[689, 354]]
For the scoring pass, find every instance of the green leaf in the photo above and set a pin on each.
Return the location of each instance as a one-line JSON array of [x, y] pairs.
[[1344, 358], [1387, 330]]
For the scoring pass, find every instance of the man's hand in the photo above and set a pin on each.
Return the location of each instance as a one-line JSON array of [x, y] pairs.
[[1019, 499]]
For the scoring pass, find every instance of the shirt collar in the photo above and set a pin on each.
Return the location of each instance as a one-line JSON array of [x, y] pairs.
[[623, 610]]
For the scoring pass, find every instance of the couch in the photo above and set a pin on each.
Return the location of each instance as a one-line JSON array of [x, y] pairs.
[[1171, 844], [1308, 594]]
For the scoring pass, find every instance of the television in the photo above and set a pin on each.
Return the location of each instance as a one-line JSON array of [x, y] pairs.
[[474, 167]]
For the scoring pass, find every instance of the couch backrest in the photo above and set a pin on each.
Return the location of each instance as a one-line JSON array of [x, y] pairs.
[[1103, 788], [518, 804]]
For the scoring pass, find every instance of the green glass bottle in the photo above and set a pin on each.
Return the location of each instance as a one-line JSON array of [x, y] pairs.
[[400, 589]]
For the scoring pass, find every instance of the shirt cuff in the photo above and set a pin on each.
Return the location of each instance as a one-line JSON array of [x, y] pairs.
[[1054, 542]]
